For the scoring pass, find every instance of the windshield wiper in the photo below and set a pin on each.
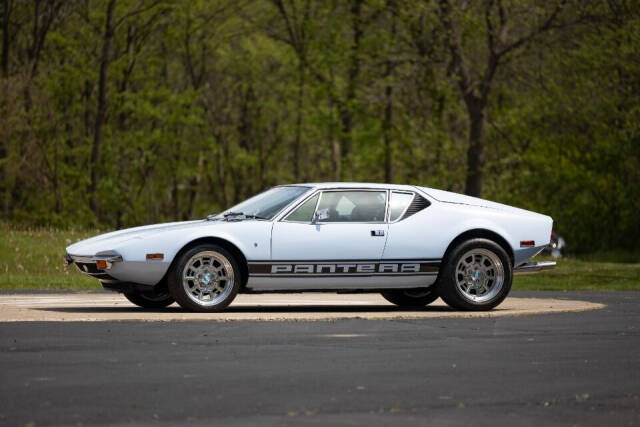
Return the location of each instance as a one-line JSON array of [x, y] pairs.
[[229, 215], [212, 217]]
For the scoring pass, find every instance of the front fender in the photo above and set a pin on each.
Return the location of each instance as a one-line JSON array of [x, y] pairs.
[[252, 238]]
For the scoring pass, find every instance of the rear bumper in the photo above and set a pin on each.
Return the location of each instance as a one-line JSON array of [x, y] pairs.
[[534, 267]]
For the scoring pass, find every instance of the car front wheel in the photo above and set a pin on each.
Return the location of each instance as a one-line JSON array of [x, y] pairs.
[[476, 275], [205, 278]]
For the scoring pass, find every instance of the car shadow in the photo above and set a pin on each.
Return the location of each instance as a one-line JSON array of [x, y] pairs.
[[259, 309]]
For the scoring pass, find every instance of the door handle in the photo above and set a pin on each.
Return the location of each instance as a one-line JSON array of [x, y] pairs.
[[375, 233]]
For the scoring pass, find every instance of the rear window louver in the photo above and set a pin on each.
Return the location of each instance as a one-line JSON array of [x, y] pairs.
[[418, 204]]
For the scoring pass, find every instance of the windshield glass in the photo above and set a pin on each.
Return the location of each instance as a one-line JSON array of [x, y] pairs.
[[268, 203]]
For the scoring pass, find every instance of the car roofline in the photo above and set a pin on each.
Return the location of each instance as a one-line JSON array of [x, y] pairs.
[[366, 185]]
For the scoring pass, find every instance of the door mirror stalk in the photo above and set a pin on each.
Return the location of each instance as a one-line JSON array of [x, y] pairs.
[[320, 215]]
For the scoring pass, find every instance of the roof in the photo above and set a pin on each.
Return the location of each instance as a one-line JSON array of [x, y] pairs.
[[357, 185]]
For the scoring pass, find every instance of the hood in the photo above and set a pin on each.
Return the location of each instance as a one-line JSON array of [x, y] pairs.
[[461, 199], [94, 244]]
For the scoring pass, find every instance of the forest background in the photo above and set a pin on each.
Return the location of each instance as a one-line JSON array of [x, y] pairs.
[[123, 112]]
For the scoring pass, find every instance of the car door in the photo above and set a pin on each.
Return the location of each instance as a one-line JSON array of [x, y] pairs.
[[339, 248], [354, 227]]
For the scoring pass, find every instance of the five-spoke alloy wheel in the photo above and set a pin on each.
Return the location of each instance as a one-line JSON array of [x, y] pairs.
[[205, 278]]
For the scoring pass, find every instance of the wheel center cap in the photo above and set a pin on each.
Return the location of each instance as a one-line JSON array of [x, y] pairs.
[[207, 278]]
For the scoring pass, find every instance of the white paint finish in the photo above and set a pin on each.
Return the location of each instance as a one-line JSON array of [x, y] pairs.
[[143, 272], [252, 237], [116, 238], [449, 197], [327, 241], [428, 233], [423, 235]]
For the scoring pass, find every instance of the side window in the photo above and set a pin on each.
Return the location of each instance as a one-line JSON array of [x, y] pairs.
[[304, 212], [398, 203], [353, 206]]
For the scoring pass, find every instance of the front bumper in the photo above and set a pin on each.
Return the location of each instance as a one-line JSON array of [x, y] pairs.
[[87, 264], [534, 267]]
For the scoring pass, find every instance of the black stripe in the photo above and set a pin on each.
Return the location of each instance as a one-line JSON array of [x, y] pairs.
[[342, 268], [344, 275], [344, 261]]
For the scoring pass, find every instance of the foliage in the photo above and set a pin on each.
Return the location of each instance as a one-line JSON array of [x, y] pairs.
[[123, 112], [32, 259], [611, 271]]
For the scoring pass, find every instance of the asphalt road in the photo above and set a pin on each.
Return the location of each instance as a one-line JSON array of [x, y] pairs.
[[556, 369]]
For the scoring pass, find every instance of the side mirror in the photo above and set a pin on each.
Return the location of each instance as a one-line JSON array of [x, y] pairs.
[[320, 215]]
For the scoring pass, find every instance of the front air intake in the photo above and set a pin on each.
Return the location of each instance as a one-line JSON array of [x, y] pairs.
[[418, 204]]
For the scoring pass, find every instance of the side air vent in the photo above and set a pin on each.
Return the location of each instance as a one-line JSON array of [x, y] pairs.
[[416, 206]]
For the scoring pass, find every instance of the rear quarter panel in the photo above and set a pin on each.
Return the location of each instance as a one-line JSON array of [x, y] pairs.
[[428, 233]]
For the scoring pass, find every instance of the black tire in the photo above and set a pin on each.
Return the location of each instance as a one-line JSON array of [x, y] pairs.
[[150, 299], [180, 294], [447, 285], [418, 297]]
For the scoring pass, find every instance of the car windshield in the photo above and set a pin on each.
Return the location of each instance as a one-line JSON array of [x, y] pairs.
[[267, 204]]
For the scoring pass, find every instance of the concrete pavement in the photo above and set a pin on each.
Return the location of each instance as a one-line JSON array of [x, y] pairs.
[[305, 306]]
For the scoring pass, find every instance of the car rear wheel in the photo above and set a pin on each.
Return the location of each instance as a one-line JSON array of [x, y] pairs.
[[476, 275], [418, 297], [205, 278], [150, 299]]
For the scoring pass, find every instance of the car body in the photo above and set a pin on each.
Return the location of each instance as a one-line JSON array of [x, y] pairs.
[[352, 237]]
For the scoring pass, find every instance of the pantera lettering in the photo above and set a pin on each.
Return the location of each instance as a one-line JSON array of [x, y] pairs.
[[345, 268]]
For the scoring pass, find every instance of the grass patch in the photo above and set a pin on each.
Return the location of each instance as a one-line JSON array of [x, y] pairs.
[[32, 259], [605, 271]]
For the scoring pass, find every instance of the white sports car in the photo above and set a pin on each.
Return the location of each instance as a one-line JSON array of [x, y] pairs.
[[412, 244]]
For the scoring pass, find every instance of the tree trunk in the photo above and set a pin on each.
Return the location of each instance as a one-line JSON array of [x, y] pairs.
[[386, 131], [475, 152], [4, 65], [221, 164], [86, 100], [336, 155], [345, 141], [56, 188], [387, 123], [297, 144], [5, 38], [194, 189], [346, 109], [175, 193], [101, 110]]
